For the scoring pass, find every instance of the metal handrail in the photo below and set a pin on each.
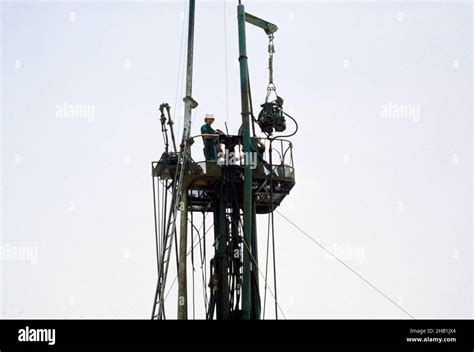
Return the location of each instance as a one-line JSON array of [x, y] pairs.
[[282, 151]]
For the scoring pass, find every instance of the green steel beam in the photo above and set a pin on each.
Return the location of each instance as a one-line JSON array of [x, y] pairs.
[[247, 206], [249, 305], [268, 27]]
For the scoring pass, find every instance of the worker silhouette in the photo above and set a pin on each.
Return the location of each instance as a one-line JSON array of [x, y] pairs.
[[210, 140], [258, 147]]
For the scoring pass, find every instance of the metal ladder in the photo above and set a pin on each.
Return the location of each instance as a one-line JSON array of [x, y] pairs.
[[181, 169]]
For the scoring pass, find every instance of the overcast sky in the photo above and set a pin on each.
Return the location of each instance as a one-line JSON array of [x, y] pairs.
[[382, 94]]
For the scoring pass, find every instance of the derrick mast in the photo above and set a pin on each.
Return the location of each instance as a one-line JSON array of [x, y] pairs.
[[230, 193]]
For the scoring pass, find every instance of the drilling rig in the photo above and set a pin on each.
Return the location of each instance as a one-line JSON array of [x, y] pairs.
[[231, 194]]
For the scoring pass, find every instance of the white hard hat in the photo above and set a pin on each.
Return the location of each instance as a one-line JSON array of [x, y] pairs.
[[209, 116]]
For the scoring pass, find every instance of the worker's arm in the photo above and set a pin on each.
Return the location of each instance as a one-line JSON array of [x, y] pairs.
[[206, 132]]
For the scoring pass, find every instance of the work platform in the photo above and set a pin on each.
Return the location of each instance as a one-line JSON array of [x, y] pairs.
[[204, 178]]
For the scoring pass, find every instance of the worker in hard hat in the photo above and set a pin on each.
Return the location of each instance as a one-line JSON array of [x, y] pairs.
[[210, 139]]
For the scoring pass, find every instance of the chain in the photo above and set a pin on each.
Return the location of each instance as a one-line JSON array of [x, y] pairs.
[[271, 50]]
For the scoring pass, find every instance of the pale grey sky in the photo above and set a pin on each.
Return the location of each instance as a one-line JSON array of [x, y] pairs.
[[383, 96]]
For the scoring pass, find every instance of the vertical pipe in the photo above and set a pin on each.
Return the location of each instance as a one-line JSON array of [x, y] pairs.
[[182, 279], [189, 102], [255, 308], [247, 206], [192, 263], [158, 252], [236, 253], [273, 229], [222, 263], [188, 106]]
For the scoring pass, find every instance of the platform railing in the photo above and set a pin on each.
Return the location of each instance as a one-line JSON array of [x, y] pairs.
[[282, 155]]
